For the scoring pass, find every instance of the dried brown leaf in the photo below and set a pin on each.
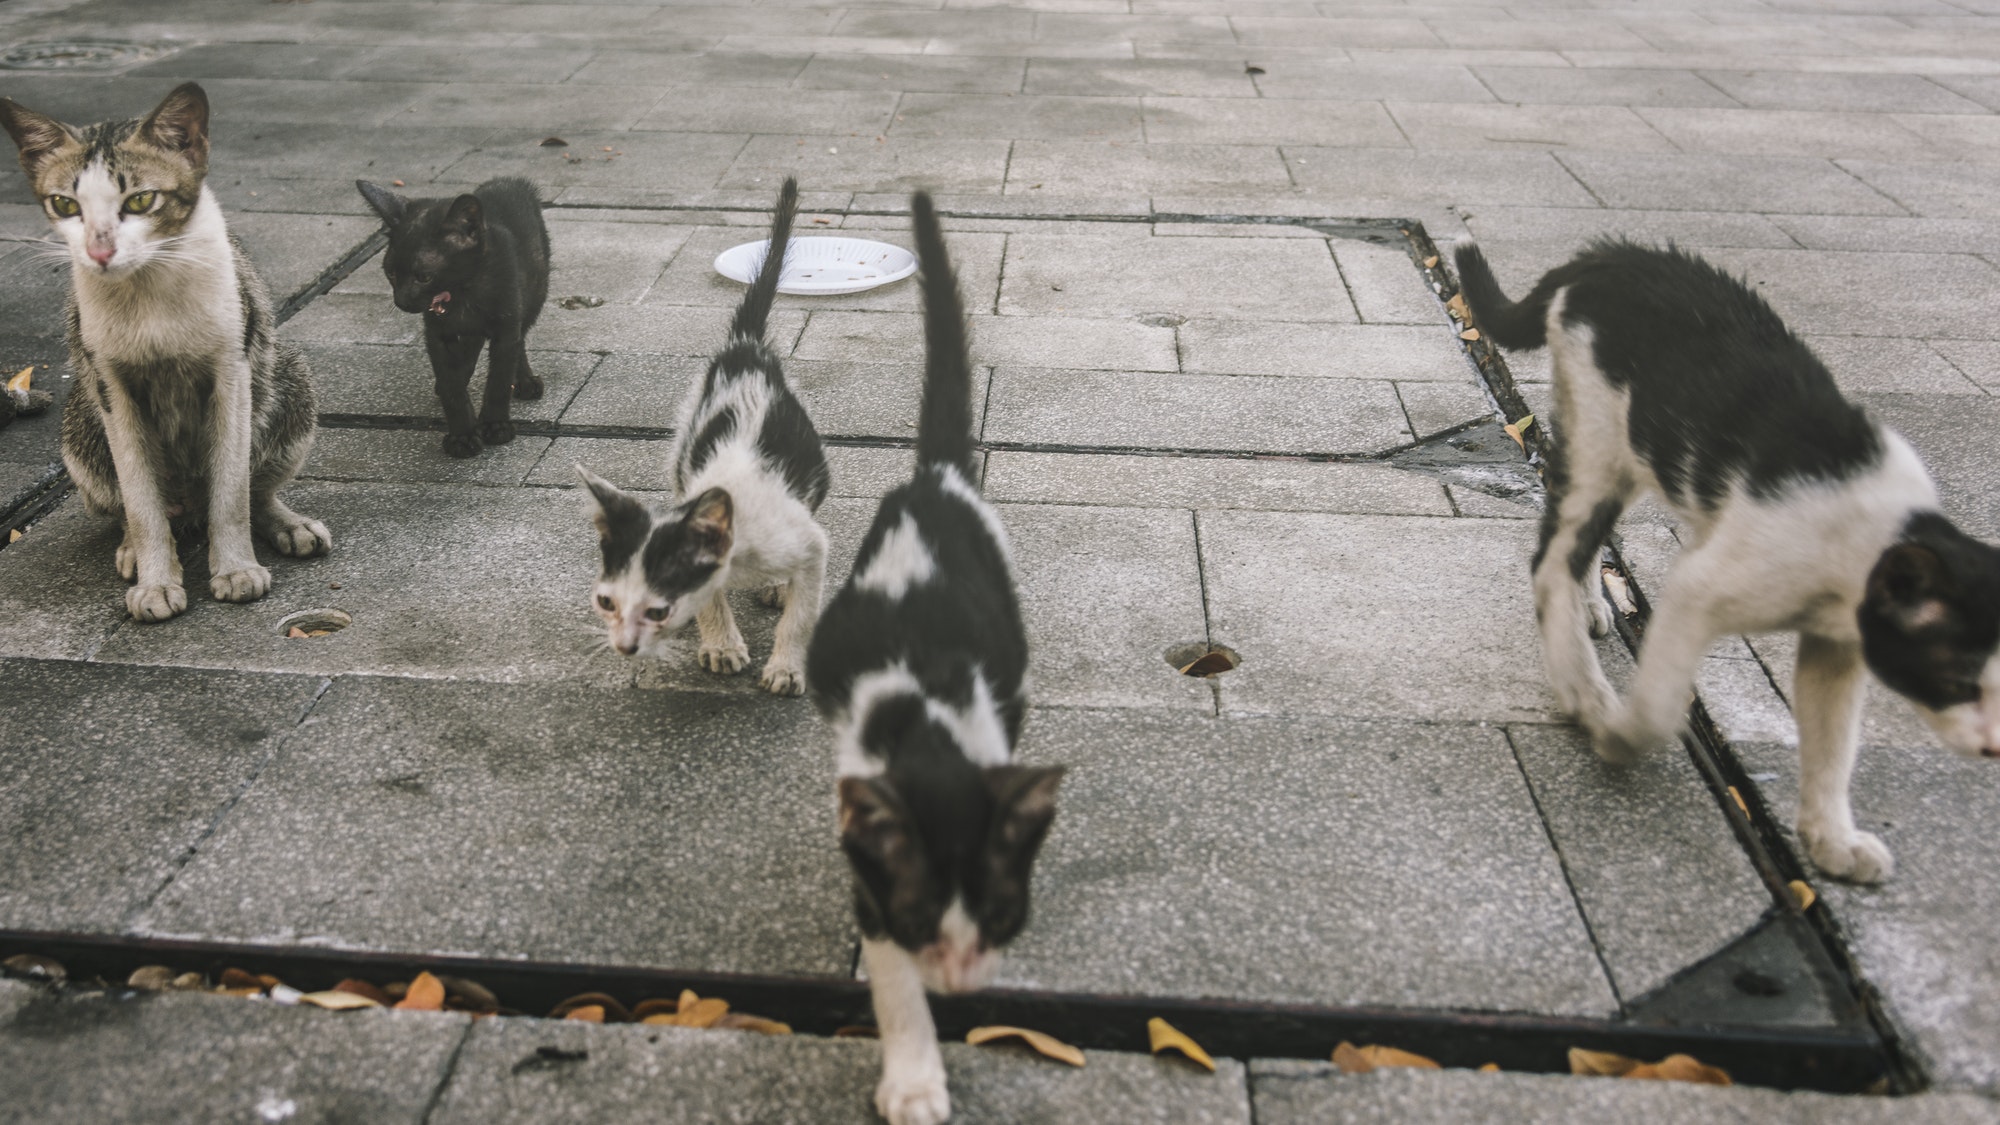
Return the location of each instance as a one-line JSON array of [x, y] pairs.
[[1047, 1045], [737, 1021], [188, 982], [587, 1013], [13, 535], [614, 1012], [1599, 1063], [237, 978], [1361, 1060], [338, 1000], [857, 1031], [36, 966], [426, 994], [1736, 796], [1681, 1068], [468, 995], [363, 989], [296, 633], [1803, 892], [1518, 427], [1490, 1068], [1469, 335], [1208, 664], [554, 142], [1165, 1037], [1431, 262], [22, 379], [152, 978]]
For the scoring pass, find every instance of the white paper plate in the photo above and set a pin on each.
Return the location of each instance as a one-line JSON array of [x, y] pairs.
[[822, 267]]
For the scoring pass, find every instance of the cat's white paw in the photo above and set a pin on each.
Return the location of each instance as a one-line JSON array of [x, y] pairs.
[[1599, 609], [783, 679], [1616, 742], [1859, 858], [302, 540], [244, 584], [155, 603], [914, 1095], [725, 659]]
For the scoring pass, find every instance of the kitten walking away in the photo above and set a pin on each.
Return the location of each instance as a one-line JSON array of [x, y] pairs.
[[477, 269], [1803, 514], [919, 665], [185, 401], [748, 475]]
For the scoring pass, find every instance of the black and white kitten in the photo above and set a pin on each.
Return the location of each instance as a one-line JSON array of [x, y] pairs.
[[477, 268], [749, 473], [919, 665], [1804, 514]]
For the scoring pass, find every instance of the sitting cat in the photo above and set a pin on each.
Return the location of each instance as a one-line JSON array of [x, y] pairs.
[[477, 268], [919, 666], [748, 475], [185, 401], [1804, 514]]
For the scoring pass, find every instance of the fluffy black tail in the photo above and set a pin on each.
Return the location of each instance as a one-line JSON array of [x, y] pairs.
[[1510, 324], [755, 310], [944, 425]]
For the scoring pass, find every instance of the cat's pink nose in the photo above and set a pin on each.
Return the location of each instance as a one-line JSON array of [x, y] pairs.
[[103, 255]]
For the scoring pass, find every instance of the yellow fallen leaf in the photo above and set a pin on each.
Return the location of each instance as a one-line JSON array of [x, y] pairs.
[[1456, 307], [1681, 1068], [1166, 1036], [1045, 1044], [1490, 1068], [588, 1013], [1599, 1063], [1738, 798], [296, 633], [737, 1021], [426, 994], [1803, 891], [22, 378], [1361, 1060], [337, 1000], [1469, 334], [1518, 427], [13, 535], [1431, 262]]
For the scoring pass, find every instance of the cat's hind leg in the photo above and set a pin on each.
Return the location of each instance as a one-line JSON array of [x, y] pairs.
[[1568, 596], [282, 451], [785, 673], [722, 649], [1699, 604]]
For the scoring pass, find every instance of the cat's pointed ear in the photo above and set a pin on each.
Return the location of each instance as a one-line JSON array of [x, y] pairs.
[[465, 220], [180, 124], [37, 135], [1025, 800], [386, 203], [874, 823], [611, 509], [1912, 586], [712, 517]]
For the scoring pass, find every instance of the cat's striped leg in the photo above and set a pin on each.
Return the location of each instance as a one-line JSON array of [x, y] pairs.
[[280, 452], [1575, 524], [147, 553]]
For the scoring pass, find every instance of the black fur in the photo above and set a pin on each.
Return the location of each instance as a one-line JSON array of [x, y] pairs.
[[1931, 616], [477, 269]]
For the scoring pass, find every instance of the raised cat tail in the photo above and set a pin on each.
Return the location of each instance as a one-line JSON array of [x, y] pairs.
[[1510, 324], [944, 424], [755, 310]]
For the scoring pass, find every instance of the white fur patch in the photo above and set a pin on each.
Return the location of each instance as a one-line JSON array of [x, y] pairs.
[[902, 562], [957, 486]]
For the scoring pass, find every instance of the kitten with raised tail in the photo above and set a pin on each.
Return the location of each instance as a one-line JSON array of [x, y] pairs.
[[476, 268], [185, 403], [1802, 514], [749, 474], [920, 666]]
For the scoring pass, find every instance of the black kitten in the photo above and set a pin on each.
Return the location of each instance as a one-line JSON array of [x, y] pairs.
[[919, 664], [477, 267], [1805, 514]]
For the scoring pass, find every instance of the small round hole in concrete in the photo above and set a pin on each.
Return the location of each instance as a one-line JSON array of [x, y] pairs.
[[309, 623], [1202, 659]]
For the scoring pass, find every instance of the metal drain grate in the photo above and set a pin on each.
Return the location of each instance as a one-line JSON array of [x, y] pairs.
[[79, 55]]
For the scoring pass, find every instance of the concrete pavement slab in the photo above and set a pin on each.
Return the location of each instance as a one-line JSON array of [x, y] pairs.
[[1575, 226], [1337, 351], [1864, 93], [691, 278], [1736, 182], [1047, 117], [397, 380], [1978, 360], [1952, 189], [706, 68], [1952, 436], [1340, 78], [1787, 132], [656, 162], [267, 60], [1261, 484], [1527, 127], [1890, 365], [1240, 121], [415, 455], [1117, 172], [895, 163], [514, 65], [104, 805], [1178, 835], [1434, 406], [1536, 85], [642, 464], [1098, 344], [1529, 178], [1877, 294], [1386, 285], [695, 109], [940, 74], [290, 252], [635, 389], [1239, 279], [1196, 78]]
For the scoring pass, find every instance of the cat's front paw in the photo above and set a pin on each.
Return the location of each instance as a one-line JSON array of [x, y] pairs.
[[463, 445], [726, 659], [773, 596], [302, 540], [127, 561], [244, 584], [528, 388], [1616, 743], [783, 679], [1861, 857], [913, 1096], [498, 432], [1599, 609], [155, 603]]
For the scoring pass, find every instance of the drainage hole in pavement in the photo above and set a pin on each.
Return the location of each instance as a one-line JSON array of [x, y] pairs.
[[309, 623], [1202, 659]]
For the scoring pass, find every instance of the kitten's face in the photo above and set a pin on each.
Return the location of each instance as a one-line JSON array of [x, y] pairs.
[[1930, 630], [117, 193], [942, 863], [657, 572], [436, 246]]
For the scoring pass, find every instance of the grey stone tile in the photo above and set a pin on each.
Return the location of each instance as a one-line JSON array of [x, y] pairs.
[[1981, 88], [266, 60], [1261, 484], [661, 1074], [1117, 409], [1527, 127], [1036, 341], [1386, 285], [1820, 291], [353, 318], [659, 329], [1954, 136], [1437, 617], [1105, 592], [970, 23], [415, 455], [1198, 78], [941, 74], [123, 1056], [412, 153], [290, 252], [1555, 35], [632, 463], [1044, 117], [1185, 120], [1183, 835], [1955, 190], [397, 381], [60, 593], [692, 279], [1264, 31], [1289, 1092], [821, 44], [638, 817], [705, 68], [635, 389], [1538, 85], [1577, 225], [869, 399], [1241, 279], [1890, 365], [1651, 858], [1862, 93], [1117, 172], [511, 65], [721, 110], [1726, 183], [1867, 232], [1979, 360], [1338, 78], [1472, 177], [887, 163], [1953, 436], [94, 826], [1786, 132], [1434, 407]]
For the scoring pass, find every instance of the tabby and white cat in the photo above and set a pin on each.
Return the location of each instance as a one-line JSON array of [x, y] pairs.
[[920, 666], [1804, 514], [749, 473], [185, 401]]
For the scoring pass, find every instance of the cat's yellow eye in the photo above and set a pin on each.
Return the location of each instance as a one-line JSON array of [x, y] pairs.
[[65, 207], [139, 202]]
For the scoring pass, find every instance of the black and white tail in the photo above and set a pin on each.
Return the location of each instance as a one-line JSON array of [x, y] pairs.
[[1510, 324], [755, 310], [944, 425]]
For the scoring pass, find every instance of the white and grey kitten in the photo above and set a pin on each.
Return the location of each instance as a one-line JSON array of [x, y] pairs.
[[748, 475], [1803, 514], [185, 402]]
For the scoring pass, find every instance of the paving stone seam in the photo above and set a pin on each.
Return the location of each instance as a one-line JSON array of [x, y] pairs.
[[446, 1072]]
